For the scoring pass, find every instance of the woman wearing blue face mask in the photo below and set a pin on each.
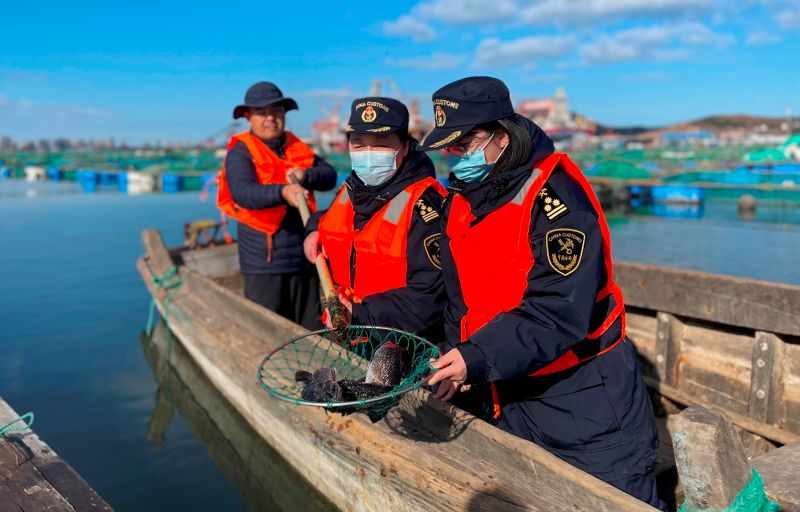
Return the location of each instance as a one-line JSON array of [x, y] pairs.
[[381, 234], [535, 324]]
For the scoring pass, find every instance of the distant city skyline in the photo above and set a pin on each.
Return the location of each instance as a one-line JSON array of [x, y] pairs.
[[174, 70]]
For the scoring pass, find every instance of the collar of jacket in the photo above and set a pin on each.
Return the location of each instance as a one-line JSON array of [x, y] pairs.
[[486, 196], [277, 145], [368, 200]]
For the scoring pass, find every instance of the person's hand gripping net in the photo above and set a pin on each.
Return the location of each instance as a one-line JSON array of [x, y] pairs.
[[451, 374]]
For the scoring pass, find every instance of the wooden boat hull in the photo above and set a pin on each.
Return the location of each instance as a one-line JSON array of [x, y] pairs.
[[424, 455], [715, 341]]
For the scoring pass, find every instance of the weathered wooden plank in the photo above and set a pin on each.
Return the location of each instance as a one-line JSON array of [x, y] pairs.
[[711, 461], [669, 332], [767, 431], [748, 303], [764, 347], [55, 476], [32, 492], [7, 501], [778, 468], [157, 253], [349, 458], [213, 261]]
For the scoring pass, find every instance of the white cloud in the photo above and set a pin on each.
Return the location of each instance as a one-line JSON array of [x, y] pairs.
[[468, 12], [789, 19], [435, 62], [545, 12], [524, 51], [409, 26], [762, 37], [654, 42], [11, 109]]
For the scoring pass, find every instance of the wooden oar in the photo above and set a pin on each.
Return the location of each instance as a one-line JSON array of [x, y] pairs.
[[330, 296]]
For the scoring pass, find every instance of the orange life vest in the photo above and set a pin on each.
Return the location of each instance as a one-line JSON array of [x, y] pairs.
[[270, 169], [380, 245], [502, 237]]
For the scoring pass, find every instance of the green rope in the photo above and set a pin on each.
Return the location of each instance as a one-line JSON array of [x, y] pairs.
[[750, 499], [26, 418], [170, 280]]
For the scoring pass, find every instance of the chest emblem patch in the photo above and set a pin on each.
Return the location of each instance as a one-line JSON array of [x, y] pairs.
[[564, 249], [433, 245]]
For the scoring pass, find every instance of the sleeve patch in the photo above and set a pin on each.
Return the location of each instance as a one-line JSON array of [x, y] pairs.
[[550, 203], [426, 211], [433, 247], [564, 248]]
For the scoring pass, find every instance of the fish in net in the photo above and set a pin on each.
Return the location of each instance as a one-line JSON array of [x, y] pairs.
[[358, 369]]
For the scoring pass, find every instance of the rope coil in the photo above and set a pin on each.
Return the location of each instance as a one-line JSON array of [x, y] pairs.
[[26, 419]]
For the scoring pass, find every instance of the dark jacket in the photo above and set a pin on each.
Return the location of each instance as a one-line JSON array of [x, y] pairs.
[[596, 416], [287, 243], [555, 311], [419, 305]]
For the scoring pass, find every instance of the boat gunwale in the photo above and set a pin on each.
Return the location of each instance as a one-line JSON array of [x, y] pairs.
[[601, 495]]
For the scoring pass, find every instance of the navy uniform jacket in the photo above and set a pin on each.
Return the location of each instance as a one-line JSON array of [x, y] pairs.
[[419, 305], [597, 415], [287, 242]]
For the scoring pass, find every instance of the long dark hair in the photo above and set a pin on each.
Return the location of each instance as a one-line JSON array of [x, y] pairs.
[[520, 145]]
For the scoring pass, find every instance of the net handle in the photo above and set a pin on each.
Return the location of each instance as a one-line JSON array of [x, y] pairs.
[[328, 289]]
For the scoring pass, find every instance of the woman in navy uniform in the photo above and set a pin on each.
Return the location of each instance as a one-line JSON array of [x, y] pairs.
[[535, 324], [381, 234]]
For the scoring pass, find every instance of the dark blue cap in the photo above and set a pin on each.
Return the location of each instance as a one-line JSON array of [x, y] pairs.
[[263, 94], [375, 114], [460, 106]]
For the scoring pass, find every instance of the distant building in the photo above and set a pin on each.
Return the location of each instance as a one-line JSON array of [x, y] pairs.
[[552, 114], [689, 138], [328, 131]]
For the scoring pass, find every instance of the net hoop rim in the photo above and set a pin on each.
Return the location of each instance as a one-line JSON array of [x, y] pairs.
[[392, 395]]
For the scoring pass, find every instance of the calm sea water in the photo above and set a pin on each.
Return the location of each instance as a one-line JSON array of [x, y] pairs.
[[72, 308]]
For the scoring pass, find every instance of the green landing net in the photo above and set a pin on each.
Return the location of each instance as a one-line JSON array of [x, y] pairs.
[[349, 352]]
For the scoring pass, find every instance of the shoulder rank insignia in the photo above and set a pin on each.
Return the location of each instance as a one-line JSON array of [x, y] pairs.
[[551, 204], [426, 211], [564, 248], [433, 247]]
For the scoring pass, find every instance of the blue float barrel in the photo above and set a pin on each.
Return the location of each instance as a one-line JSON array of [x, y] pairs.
[[54, 174], [171, 182]]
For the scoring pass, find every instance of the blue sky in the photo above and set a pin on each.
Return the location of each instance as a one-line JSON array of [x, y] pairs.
[[173, 70]]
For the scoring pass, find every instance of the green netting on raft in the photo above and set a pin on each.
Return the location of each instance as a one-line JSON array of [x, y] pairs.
[[349, 352], [750, 499]]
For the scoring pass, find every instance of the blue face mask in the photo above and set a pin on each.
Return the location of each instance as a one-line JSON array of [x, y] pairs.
[[472, 167], [374, 167]]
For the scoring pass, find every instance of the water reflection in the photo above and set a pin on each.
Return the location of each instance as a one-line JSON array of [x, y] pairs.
[[264, 479]]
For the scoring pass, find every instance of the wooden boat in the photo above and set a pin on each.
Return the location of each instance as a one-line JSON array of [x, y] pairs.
[[34, 477], [715, 341], [261, 476]]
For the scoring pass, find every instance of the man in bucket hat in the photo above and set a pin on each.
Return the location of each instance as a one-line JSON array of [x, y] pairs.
[[265, 169]]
